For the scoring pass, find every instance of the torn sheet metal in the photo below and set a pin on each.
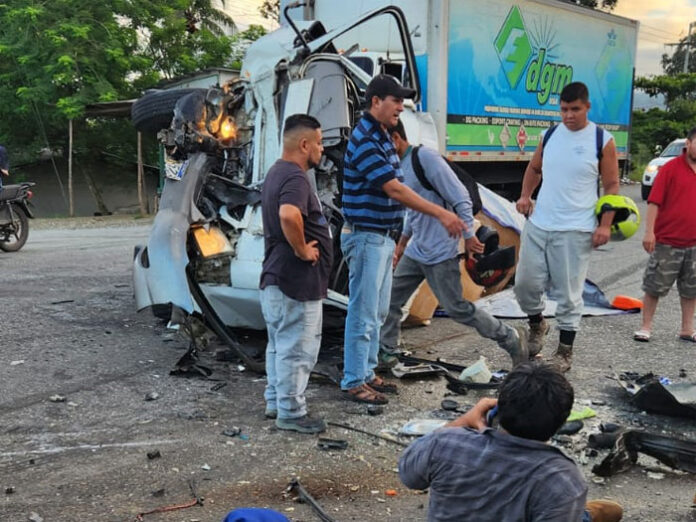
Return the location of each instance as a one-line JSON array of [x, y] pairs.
[[419, 427], [675, 453], [654, 395], [448, 370], [416, 370]]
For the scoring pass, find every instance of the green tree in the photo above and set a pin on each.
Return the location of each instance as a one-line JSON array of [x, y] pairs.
[[676, 87], [270, 9], [58, 57], [605, 5], [240, 42], [657, 127], [674, 63]]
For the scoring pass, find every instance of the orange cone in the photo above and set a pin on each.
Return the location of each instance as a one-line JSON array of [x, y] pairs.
[[624, 302]]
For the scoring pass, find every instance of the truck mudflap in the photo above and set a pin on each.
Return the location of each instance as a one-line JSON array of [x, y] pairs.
[[159, 269]]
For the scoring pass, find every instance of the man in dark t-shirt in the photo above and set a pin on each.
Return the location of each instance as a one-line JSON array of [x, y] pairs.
[[294, 279]]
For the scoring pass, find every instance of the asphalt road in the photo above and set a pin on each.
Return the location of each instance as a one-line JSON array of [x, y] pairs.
[[69, 333]]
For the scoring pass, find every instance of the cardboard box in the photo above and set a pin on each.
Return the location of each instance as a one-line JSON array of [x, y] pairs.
[[424, 302]]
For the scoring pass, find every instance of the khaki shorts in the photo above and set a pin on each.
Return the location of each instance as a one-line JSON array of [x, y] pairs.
[[667, 264]]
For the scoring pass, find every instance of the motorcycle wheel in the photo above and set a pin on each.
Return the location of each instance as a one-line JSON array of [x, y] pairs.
[[19, 230], [155, 110]]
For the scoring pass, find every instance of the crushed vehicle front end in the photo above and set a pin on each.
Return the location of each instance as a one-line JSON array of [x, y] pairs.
[[205, 252]]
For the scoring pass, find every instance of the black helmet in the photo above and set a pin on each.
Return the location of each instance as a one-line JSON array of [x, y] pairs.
[[491, 267]]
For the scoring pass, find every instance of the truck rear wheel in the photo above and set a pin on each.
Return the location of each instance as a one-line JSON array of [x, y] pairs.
[[155, 110]]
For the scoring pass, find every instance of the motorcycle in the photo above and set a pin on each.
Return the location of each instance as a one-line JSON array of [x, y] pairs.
[[14, 215]]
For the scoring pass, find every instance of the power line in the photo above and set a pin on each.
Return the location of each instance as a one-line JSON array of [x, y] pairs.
[[658, 30], [647, 30], [652, 40]]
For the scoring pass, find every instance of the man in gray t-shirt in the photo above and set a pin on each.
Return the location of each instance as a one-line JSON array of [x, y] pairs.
[[425, 251], [510, 473]]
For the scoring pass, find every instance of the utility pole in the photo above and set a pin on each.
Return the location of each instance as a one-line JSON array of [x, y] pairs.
[[688, 47]]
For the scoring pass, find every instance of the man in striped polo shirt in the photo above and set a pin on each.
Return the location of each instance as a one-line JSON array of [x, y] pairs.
[[373, 195]]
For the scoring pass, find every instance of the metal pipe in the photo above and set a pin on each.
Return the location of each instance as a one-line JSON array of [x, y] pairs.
[[293, 5]]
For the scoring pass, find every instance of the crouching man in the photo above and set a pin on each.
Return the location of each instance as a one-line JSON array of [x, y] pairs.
[[475, 472], [294, 278]]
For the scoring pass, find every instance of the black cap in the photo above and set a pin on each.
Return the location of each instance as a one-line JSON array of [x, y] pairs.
[[384, 85]]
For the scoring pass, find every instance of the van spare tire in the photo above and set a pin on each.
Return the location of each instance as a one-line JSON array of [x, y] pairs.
[[155, 110]]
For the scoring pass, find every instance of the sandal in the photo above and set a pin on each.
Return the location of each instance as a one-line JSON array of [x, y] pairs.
[[642, 336], [382, 386], [684, 337], [364, 393]]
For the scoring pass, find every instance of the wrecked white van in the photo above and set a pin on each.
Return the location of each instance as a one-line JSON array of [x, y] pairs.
[[205, 250]]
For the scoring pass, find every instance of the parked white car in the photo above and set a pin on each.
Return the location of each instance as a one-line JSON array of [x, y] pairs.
[[653, 169]]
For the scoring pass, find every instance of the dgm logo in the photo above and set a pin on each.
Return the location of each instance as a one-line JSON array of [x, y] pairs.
[[515, 51]]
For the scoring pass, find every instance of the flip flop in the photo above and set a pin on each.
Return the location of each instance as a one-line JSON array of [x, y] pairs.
[[691, 338], [643, 336]]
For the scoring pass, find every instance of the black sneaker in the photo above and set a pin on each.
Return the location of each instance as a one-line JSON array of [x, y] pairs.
[[304, 424]]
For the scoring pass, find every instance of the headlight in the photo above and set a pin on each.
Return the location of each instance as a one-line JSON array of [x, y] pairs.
[[651, 169], [211, 242], [228, 130]]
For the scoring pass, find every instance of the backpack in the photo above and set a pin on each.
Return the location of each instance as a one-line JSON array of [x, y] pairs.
[[599, 140], [463, 176]]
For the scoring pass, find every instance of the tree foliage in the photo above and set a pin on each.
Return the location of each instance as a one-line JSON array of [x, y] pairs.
[[674, 63], [605, 5], [240, 42], [270, 9], [674, 88], [57, 57], [657, 127]]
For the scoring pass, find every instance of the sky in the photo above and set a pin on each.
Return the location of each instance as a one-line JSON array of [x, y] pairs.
[[661, 21], [245, 13]]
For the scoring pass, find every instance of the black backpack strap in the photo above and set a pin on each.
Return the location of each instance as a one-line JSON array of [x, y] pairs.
[[600, 145], [420, 173], [548, 134]]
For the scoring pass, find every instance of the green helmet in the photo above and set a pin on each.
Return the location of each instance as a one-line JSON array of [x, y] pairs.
[[627, 218]]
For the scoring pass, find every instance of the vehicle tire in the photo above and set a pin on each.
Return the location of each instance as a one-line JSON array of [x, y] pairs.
[[645, 191], [155, 110], [21, 230]]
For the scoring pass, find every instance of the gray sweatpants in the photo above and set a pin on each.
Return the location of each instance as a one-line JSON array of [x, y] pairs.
[[558, 260], [444, 280]]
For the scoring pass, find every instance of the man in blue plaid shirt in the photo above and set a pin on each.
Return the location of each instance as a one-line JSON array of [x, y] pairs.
[[511, 473]]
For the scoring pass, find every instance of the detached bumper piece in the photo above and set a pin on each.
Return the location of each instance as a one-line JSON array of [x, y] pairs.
[[675, 453]]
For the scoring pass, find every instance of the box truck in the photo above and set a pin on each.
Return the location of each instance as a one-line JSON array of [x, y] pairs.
[[491, 72]]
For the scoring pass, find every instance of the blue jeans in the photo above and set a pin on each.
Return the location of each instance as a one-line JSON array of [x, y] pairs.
[[294, 336], [369, 258]]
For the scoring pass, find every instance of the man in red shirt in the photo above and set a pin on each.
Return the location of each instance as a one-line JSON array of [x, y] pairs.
[[670, 239]]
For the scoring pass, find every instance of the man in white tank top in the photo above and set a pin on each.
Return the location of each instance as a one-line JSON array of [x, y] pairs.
[[562, 228]]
